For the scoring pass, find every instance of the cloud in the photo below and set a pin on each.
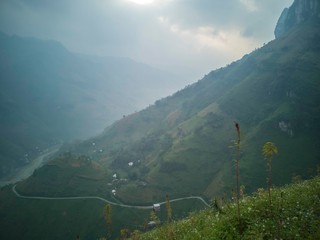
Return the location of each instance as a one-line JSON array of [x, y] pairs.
[[208, 45], [208, 37], [183, 36], [250, 5]]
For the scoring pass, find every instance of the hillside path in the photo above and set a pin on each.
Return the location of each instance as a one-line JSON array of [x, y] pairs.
[[105, 200]]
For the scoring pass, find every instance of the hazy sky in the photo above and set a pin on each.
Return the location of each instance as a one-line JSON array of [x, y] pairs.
[[189, 37]]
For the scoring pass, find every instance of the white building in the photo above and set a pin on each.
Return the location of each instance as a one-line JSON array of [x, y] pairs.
[[156, 207]]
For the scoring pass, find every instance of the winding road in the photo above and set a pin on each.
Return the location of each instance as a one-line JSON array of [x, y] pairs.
[[105, 200], [27, 171]]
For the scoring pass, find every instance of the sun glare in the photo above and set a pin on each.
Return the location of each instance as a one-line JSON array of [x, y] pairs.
[[141, 2]]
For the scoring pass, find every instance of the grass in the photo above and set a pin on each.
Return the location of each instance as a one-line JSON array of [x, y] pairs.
[[295, 214]]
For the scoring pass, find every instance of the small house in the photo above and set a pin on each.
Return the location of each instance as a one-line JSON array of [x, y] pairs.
[[152, 224], [156, 207]]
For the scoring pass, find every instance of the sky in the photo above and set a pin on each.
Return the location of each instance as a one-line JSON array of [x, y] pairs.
[[186, 37]]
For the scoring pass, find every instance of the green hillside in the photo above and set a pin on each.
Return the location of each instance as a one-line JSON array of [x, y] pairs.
[[72, 176], [294, 214], [180, 145]]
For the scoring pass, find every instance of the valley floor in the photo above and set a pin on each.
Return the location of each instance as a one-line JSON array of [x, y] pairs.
[[26, 171]]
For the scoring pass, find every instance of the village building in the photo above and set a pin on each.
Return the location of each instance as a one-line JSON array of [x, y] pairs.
[[156, 207]]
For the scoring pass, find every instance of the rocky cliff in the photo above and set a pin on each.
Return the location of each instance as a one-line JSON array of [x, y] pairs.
[[300, 11]]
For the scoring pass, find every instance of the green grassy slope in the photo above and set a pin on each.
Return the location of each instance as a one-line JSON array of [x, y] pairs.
[[294, 214]]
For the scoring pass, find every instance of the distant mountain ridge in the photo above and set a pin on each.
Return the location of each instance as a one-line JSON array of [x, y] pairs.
[[49, 95]]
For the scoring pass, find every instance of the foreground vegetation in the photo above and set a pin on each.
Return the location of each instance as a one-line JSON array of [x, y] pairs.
[[294, 214]]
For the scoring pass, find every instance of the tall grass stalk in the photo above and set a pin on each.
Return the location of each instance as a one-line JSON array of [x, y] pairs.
[[237, 126]]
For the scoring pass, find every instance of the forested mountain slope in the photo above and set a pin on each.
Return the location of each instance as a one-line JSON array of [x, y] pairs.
[[180, 144]]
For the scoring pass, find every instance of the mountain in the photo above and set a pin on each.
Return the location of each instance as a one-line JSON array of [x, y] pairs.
[[50, 95], [183, 145], [300, 11], [180, 144]]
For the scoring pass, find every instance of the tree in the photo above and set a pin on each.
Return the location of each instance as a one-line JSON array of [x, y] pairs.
[[168, 209], [135, 235], [107, 217], [237, 144], [124, 233], [154, 218], [269, 149]]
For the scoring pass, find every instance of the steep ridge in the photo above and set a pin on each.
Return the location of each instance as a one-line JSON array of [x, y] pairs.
[[300, 11], [180, 144]]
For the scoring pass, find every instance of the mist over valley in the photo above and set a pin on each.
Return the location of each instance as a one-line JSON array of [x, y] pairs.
[[121, 149]]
